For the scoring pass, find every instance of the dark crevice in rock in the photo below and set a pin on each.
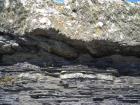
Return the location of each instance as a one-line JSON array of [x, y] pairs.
[[54, 34], [97, 48], [0, 60], [50, 47]]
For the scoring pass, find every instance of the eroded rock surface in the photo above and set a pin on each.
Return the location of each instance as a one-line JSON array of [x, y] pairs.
[[28, 84], [99, 27], [76, 52]]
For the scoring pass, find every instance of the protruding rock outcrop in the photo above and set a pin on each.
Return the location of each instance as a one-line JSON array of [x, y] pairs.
[[94, 27]]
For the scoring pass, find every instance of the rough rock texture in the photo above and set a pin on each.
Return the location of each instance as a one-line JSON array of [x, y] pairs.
[[97, 27], [26, 84], [76, 52]]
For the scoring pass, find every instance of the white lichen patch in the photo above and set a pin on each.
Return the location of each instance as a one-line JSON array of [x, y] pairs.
[[11, 20], [91, 76], [24, 2], [99, 24], [105, 77], [112, 28], [31, 76], [41, 22], [15, 44], [7, 3], [76, 75], [44, 20]]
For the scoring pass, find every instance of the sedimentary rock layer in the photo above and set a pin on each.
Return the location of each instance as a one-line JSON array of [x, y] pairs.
[[28, 84]]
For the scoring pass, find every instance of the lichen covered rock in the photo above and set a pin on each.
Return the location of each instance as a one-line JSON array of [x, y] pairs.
[[98, 27]]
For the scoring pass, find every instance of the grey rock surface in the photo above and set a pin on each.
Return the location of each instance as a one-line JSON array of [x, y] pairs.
[[66, 85], [80, 52], [103, 27]]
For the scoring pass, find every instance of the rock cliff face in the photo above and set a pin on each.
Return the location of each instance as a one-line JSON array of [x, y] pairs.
[[69, 52], [46, 29]]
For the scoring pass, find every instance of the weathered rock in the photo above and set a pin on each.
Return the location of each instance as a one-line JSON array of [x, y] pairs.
[[98, 27], [59, 48], [36, 87], [7, 44], [35, 50], [66, 34]]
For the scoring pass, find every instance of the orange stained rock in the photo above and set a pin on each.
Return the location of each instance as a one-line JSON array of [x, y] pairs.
[[61, 8], [61, 23], [98, 31]]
